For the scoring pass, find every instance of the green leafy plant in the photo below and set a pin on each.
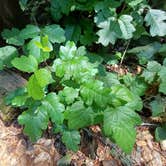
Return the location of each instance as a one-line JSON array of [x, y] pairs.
[[68, 87], [82, 101]]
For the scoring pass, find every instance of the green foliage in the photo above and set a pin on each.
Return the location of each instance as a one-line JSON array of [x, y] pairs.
[[84, 116], [94, 92], [68, 95], [156, 20], [114, 28], [13, 37], [156, 72], [68, 85], [119, 125], [27, 64], [72, 64], [7, 53], [23, 4], [158, 106], [145, 53], [30, 31], [160, 133], [37, 83], [71, 139], [17, 37], [55, 33], [34, 122], [72, 107]]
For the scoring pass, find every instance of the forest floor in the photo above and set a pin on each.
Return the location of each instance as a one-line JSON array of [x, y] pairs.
[[17, 150]]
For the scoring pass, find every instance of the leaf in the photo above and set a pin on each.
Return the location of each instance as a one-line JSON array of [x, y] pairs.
[[12, 36], [162, 75], [27, 64], [71, 139], [72, 65], [40, 47], [34, 89], [162, 87], [66, 160], [154, 66], [119, 126], [110, 79], [160, 133], [151, 72], [162, 50], [88, 35], [73, 32], [94, 92], [78, 116], [44, 44], [35, 50], [164, 62], [11, 95], [158, 106], [147, 52], [133, 3], [126, 26], [148, 76], [156, 20], [109, 32], [7, 53], [19, 101], [122, 96], [55, 33], [68, 51], [37, 83], [58, 8], [136, 84], [34, 123], [68, 94], [54, 108], [29, 32], [105, 9], [23, 4], [43, 77], [113, 28], [88, 38]]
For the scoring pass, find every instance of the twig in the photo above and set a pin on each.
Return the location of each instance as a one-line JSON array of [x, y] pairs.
[[124, 53], [149, 124]]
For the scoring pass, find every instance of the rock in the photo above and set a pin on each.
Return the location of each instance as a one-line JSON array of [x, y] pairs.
[[9, 81], [163, 144]]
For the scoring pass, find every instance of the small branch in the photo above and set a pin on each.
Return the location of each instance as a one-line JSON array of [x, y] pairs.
[[149, 124], [124, 53]]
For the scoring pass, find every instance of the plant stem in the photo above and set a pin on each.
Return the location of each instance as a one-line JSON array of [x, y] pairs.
[[124, 53]]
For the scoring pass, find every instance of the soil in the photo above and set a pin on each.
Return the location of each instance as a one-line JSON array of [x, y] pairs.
[[17, 150]]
